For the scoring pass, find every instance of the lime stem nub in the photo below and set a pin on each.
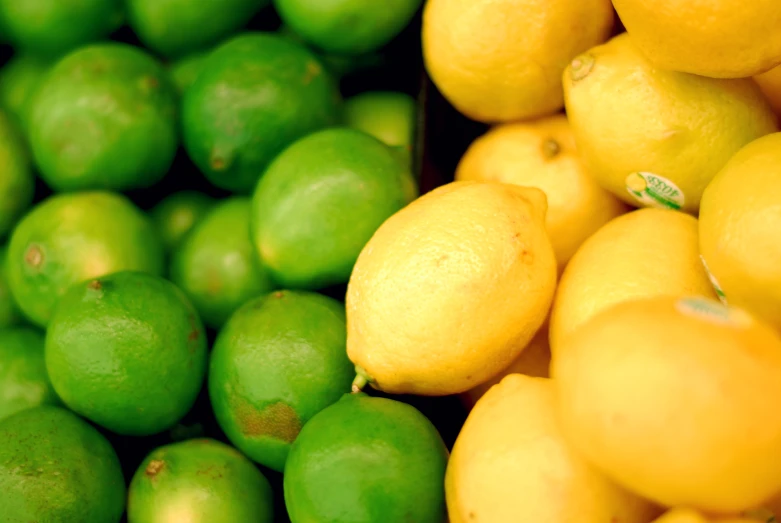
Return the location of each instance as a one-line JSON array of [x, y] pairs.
[[359, 383]]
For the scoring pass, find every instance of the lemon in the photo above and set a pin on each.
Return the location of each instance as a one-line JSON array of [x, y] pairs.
[[717, 38], [674, 130], [740, 228], [501, 60], [450, 289], [647, 252], [676, 399], [687, 515], [542, 154], [770, 83], [511, 463]]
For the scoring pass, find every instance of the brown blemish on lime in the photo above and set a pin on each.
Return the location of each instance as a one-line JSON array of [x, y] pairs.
[[95, 285], [312, 70], [34, 256], [149, 83], [279, 294], [276, 420], [550, 148], [154, 468]]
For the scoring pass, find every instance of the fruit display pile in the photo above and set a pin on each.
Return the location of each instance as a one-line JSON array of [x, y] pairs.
[[408, 261]]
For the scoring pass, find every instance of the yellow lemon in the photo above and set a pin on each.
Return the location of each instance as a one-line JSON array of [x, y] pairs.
[[450, 289], [687, 515], [770, 83], [501, 60], [674, 130], [740, 228], [542, 154], [717, 38], [510, 463], [644, 253], [676, 399]]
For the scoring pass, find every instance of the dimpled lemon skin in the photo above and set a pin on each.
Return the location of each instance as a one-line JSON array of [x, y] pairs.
[[511, 463], [629, 116], [543, 154], [740, 228], [501, 60], [675, 398], [647, 252], [451, 288], [717, 38]]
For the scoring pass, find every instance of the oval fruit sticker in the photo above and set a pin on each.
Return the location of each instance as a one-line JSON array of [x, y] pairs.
[[653, 190]]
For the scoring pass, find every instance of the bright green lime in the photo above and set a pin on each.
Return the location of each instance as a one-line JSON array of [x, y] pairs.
[[69, 238], [17, 181], [321, 200], [56, 468], [185, 71], [104, 118], [347, 26], [255, 95], [279, 360], [177, 214], [180, 27], [55, 27], [216, 265], [199, 481], [367, 460], [23, 380], [127, 351], [9, 312], [388, 116], [18, 81]]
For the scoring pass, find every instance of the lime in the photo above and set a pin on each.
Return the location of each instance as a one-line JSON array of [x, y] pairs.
[[347, 26], [179, 27], [278, 361], [17, 182], [68, 238], [23, 380], [199, 481], [255, 95], [185, 71], [177, 214], [9, 311], [127, 351], [321, 200], [56, 468], [19, 79], [104, 117], [367, 460], [216, 265], [54, 27], [388, 116]]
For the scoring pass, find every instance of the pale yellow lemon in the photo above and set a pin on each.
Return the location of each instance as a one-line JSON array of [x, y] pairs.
[[770, 83], [687, 515]]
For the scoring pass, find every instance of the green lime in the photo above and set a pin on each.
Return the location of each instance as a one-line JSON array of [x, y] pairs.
[[56, 468], [185, 71], [216, 265], [347, 26], [55, 27], [17, 181], [68, 238], [256, 93], [388, 116], [23, 380], [321, 200], [9, 312], [127, 351], [19, 79], [177, 214], [199, 481], [279, 360], [367, 460], [104, 117]]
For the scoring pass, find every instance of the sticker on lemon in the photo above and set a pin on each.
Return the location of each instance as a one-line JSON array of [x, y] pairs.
[[652, 190]]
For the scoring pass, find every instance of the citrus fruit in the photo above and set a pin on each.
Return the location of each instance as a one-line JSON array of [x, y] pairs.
[[719, 38], [511, 463], [654, 137], [127, 351], [199, 481], [104, 117], [23, 380], [687, 515], [17, 182], [320, 201], [367, 460], [543, 154], [68, 238], [176, 215], [19, 79], [389, 116], [256, 94], [662, 394], [770, 84], [644, 253], [501, 60], [740, 228], [450, 289], [347, 26], [216, 265], [55, 467], [278, 361], [9, 311], [185, 71], [179, 27], [53, 27]]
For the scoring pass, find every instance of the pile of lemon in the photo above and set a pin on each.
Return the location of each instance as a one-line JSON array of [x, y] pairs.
[[603, 286]]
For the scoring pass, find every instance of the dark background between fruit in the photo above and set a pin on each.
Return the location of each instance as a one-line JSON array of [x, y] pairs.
[[442, 136]]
